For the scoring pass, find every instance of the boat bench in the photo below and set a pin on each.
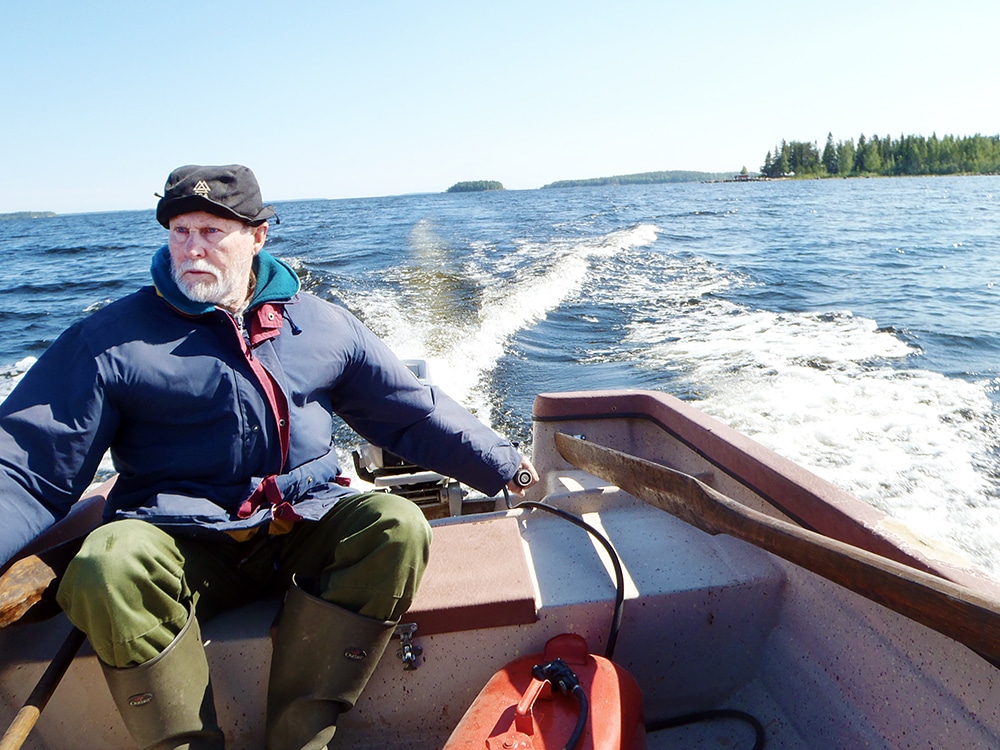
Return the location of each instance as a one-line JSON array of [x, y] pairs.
[[477, 578]]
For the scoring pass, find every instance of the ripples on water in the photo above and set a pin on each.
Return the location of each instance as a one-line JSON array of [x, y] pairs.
[[850, 325]]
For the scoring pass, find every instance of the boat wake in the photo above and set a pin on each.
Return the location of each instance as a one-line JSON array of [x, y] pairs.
[[460, 309], [830, 391]]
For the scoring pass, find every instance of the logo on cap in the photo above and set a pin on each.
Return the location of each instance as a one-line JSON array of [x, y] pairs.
[[202, 189]]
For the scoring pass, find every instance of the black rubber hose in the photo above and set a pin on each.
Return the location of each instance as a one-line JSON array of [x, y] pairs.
[[559, 675], [581, 721], [616, 619], [760, 738]]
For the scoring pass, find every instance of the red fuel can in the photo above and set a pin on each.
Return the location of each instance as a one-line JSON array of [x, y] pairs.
[[518, 711]]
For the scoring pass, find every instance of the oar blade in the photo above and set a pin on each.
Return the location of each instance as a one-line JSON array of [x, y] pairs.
[[947, 607]]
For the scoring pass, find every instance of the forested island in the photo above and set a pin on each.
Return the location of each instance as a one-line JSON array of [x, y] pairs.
[[643, 178], [475, 186], [28, 215], [885, 156]]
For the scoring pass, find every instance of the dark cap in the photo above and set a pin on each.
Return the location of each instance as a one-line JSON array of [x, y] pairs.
[[229, 191]]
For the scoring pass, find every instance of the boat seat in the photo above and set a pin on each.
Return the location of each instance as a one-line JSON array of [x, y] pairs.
[[477, 578]]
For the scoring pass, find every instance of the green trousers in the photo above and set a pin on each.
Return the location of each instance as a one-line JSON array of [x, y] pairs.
[[130, 586]]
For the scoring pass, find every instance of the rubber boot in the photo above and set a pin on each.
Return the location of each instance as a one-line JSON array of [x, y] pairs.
[[323, 657], [167, 702]]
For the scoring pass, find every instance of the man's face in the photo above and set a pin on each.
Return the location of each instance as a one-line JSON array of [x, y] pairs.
[[211, 257]]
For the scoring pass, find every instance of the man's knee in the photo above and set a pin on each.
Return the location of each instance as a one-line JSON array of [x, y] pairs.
[[406, 537], [379, 558], [402, 522], [117, 553], [378, 534]]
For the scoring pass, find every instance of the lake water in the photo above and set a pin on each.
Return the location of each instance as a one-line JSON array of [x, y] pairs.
[[852, 326]]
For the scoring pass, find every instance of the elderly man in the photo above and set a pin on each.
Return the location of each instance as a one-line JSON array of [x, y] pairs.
[[214, 390]]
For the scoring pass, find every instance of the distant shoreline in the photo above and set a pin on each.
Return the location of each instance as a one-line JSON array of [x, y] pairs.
[[645, 178], [716, 177], [28, 215]]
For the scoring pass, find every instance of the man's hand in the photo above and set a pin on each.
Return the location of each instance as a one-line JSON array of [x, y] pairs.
[[524, 477]]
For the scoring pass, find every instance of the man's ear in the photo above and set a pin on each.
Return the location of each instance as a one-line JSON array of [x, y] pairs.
[[259, 237]]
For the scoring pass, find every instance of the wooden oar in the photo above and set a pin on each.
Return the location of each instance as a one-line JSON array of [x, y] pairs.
[[26, 718], [27, 594], [949, 608]]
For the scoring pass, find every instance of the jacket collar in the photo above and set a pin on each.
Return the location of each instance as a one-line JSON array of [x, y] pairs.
[[276, 282]]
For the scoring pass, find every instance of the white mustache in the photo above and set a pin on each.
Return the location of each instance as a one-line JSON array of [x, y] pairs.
[[197, 264]]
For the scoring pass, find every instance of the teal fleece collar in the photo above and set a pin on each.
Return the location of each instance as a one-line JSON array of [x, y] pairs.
[[276, 282]]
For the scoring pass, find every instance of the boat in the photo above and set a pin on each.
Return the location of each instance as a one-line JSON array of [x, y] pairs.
[[731, 645]]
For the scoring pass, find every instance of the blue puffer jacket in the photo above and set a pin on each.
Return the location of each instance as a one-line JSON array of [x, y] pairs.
[[189, 401]]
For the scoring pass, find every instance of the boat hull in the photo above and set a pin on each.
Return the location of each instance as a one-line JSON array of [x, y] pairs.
[[708, 622]]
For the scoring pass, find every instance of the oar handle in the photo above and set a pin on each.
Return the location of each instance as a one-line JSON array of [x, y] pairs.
[[30, 580], [26, 582]]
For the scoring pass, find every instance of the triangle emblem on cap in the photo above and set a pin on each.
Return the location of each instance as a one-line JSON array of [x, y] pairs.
[[202, 189]]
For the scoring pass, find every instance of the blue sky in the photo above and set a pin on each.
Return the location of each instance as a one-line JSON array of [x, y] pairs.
[[350, 99]]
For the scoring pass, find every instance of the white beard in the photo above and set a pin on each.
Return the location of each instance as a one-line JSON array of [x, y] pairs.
[[227, 288]]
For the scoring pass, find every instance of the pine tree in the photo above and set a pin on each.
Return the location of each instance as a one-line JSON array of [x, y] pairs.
[[784, 160], [859, 154], [845, 157], [830, 155], [871, 156]]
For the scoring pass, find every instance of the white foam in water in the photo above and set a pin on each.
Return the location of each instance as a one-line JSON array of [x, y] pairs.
[[10, 377], [823, 391], [462, 352]]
